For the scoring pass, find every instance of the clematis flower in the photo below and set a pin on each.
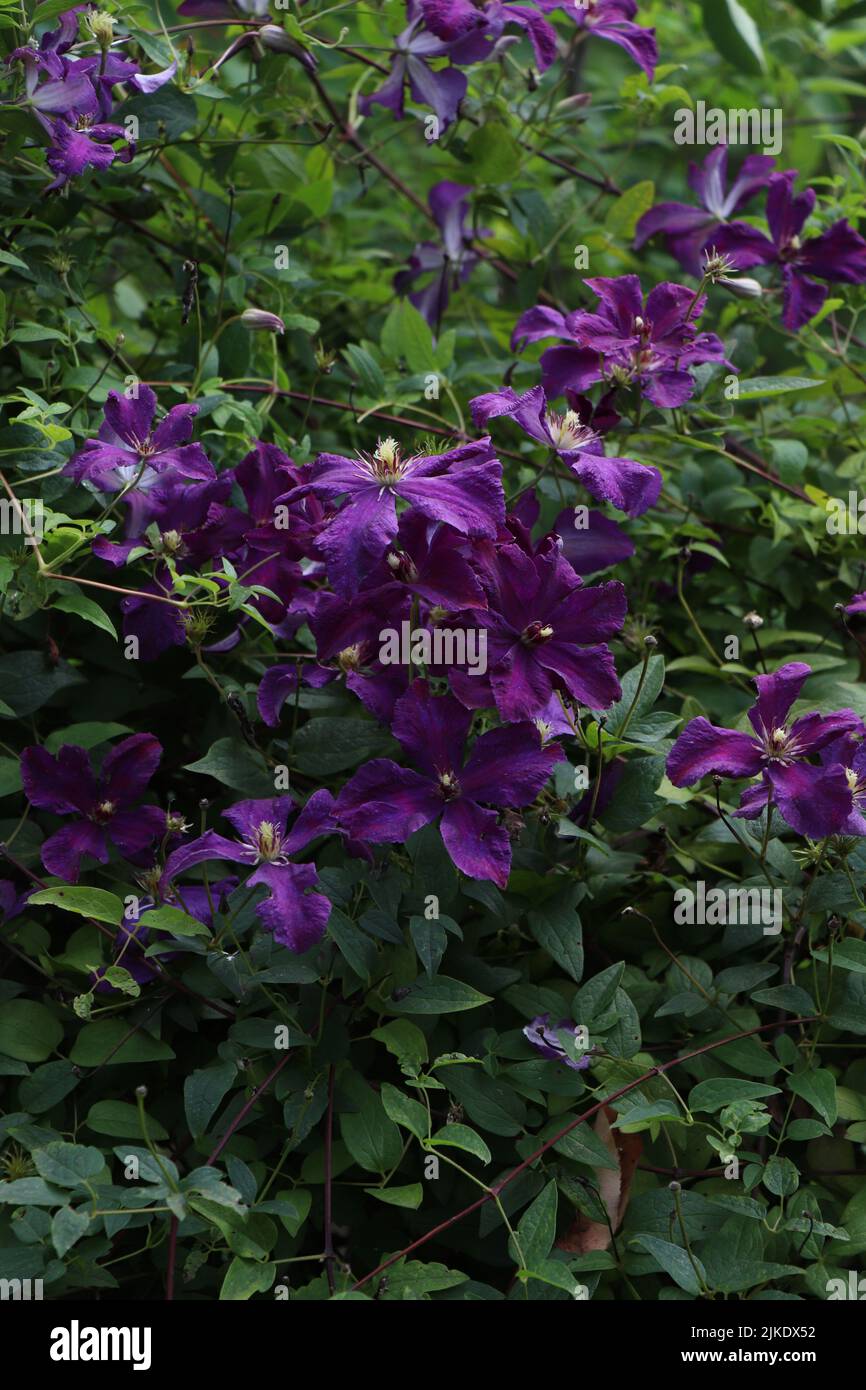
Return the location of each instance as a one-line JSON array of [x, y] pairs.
[[130, 452], [627, 341], [546, 631], [691, 230], [476, 29], [75, 147], [612, 20], [294, 910], [106, 805], [441, 89], [629, 486], [815, 801], [506, 768], [131, 938], [838, 255], [598, 545], [545, 1037], [450, 261], [462, 487]]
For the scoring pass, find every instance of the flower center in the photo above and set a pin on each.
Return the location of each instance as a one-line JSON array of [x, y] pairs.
[[449, 787], [104, 811], [388, 463], [403, 567], [854, 782], [349, 659], [781, 747], [566, 431], [267, 842], [143, 447], [536, 633]]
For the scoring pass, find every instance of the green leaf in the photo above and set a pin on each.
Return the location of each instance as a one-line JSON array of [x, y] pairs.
[[462, 1137], [439, 995], [47, 1085], [536, 1230], [234, 764], [203, 1091], [781, 1176], [407, 334], [762, 387], [68, 1165], [106, 1043], [849, 954], [720, 1091], [87, 902], [404, 1111], [120, 1120], [818, 1087], [371, 1137], [28, 1031], [675, 1262], [494, 153], [735, 35], [67, 1227], [324, 745], [28, 681], [409, 1197], [429, 939], [245, 1278], [626, 211], [791, 998], [72, 600], [177, 923], [557, 928]]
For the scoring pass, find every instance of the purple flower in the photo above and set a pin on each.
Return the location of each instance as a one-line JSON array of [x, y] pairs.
[[450, 262], [506, 767], [849, 754], [474, 30], [857, 604], [539, 624], [815, 801], [540, 1033], [626, 341], [131, 939], [130, 452], [838, 255], [595, 546], [442, 90], [631, 487], [293, 910], [613, 20], [105, 805], [462, 487], [690, 230]]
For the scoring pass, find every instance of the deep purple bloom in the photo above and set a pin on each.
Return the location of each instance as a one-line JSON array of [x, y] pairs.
[[595, 546], [613, 20], [857, 605], [506, 767], [626, 341], [450, 261], [106, 804], [838, 255], [690, 231], [815, 801], [546, 631], [442, 89], [629, 486], [544, 1036], [475, 29], [294, 911], [130, 452], [462, 488]]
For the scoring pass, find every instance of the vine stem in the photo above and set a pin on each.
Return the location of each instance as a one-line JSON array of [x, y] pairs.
[[329, 1185], [494, 1191]]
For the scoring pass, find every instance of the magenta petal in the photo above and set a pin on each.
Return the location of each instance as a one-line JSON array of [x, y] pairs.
[[130, 417], [318, 817], [776, 695], [296, 917], [508, 767], [588, 673], [208, 846], [815, 801], [62, 852], [432, 729], [703, 748], [384, 802], [64, 784], [133, 831], [477, 844], [128, 768]]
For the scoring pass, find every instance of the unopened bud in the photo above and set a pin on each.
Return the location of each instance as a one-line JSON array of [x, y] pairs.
[[753, 621], [261, 320], [742, 287]]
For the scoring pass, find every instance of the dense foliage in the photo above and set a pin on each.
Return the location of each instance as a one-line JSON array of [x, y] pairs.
[[432, 672]]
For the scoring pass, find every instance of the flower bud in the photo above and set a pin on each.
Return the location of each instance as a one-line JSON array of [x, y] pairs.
[[753, 621], [261, 320], [742, 287], [101, 27]]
